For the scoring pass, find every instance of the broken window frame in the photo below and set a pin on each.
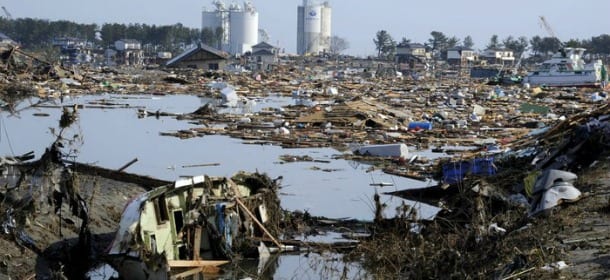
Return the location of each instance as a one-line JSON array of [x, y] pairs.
[[161, 212]]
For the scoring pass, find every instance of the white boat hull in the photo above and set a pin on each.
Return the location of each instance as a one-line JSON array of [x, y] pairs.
[[566, 68], [586, 79]]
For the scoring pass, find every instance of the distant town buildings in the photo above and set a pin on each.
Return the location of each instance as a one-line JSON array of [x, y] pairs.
[[411, 55], [73, 50], [129, 52], [498, 56], [460, 56], [313, 27], [235, 28]]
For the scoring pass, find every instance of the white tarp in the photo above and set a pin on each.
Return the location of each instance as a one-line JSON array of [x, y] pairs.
[[547, 179], [389, 150], [559, 192]]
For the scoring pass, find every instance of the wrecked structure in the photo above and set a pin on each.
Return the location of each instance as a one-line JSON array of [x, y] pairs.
[[198, 223]]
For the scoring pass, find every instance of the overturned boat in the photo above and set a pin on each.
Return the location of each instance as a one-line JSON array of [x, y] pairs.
[[566, 68], [194, 225]]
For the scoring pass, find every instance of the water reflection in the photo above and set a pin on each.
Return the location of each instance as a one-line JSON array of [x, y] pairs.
[[112, 137]]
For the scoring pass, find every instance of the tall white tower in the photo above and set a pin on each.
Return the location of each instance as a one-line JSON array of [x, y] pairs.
[[313, 27], [243, 28], [217, 21], [239, 26]]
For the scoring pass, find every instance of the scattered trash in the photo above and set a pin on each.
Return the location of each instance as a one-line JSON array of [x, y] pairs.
[[555, 266]]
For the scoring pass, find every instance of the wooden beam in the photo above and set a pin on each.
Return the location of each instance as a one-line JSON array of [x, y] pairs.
[[260, 225], [209, 270], [187, 273], [197, 243], [195, 263], [277, 243]]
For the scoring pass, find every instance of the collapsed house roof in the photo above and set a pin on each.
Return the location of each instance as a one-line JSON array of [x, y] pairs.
[[354, 113], [199, 52]]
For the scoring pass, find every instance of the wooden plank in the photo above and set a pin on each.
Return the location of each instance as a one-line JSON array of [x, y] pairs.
[[197, 243], [197, 270], [187, 273], [194, 263]]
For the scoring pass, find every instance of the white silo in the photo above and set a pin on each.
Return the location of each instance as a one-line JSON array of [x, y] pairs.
[[243, 28], [312, 27], [218, 18], [210, 20], [325, 27], [300, 30]]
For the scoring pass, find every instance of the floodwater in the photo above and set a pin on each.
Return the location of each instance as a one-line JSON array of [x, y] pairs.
[[112, 137]]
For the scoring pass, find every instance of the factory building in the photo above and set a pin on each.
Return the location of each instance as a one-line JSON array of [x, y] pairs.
[[313, 27], [235, 28]]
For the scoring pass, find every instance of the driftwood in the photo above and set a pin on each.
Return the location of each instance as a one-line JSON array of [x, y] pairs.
[[194, 263]]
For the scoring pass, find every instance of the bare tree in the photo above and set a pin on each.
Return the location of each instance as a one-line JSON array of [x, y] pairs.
[[338, 44]]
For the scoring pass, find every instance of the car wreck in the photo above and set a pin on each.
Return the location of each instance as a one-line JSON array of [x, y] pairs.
[[195, 224]]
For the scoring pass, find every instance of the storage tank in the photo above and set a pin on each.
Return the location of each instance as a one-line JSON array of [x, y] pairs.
[[211, 20], [244, 28], [219, 17], [301, 30], [312, 26], [325, 26]]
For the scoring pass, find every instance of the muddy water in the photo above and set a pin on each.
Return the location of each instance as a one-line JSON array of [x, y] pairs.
[[112, 137]]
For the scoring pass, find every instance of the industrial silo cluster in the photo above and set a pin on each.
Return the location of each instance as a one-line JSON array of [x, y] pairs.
[[235, 27], [237, 24]]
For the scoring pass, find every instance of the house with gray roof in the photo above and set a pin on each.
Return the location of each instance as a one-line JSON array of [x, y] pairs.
[[460, 56], [264, 56], [201, 56], [411, 56]]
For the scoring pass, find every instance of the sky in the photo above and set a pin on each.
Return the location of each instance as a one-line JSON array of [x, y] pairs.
[[356, 21]]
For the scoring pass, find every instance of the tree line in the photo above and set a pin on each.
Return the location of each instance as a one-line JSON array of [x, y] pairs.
[[542, 47], [38, 33]]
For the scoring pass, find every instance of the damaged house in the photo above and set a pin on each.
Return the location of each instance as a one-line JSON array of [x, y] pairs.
[[196, 223]]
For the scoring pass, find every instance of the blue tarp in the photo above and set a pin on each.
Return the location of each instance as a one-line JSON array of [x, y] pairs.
[[454, 172]]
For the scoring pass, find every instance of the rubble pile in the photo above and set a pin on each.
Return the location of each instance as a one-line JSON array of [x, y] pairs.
[[500, 224], [530, 155]]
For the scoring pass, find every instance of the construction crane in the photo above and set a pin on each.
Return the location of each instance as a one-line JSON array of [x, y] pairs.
[[547, 27], [551, 33], [6, 13], [263, 35]]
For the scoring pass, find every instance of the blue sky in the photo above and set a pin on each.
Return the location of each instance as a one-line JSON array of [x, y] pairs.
[[355, 20]]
